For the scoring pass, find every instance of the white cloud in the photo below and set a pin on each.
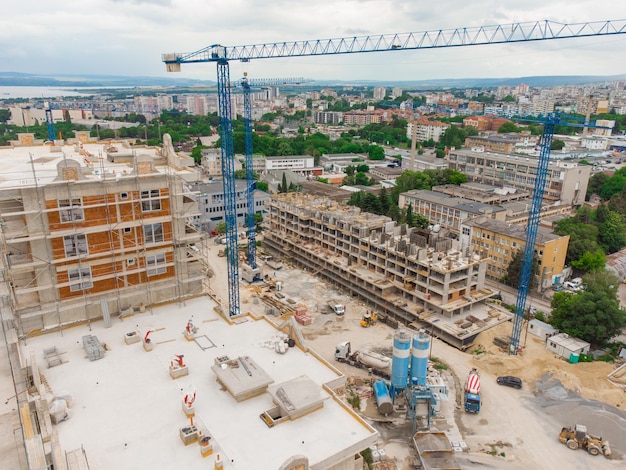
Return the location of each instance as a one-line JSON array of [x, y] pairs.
[[127, 37]]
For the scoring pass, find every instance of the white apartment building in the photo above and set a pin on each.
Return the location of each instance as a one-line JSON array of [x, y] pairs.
[[379, 93], [425, 130]]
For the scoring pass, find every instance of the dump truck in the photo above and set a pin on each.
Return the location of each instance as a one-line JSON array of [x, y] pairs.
[[378, 364], [336, 307], [471, 398], [579, 438]]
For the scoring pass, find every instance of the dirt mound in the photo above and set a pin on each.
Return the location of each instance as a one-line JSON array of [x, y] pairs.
[[587, 379]]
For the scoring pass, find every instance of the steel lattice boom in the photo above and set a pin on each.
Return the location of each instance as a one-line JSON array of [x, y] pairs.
[[495, 34]]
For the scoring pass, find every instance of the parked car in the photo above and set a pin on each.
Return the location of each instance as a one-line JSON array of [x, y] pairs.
[[510, 381]]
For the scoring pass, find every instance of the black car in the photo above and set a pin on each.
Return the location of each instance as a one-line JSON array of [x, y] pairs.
[[510, 381]]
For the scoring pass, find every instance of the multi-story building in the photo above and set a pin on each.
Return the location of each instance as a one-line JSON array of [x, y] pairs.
[[91, 230], [210, 198], [379, 93], [566, 181], [501, 143], [403, 273], [328, 117], [362, 118], [426, 130], [445, 210], [498, 242]]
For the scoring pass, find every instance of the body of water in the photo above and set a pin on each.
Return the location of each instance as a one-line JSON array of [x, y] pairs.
[[8, 92]]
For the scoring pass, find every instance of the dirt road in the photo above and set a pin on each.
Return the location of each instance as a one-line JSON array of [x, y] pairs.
[[520, 426]]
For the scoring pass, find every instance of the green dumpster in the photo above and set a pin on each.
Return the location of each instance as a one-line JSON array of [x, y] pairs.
[[573, 358]]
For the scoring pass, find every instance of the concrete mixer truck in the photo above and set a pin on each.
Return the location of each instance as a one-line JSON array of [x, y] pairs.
[[471, 397]]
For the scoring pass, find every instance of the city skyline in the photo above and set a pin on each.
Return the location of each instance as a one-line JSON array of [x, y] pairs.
[[127, 37]]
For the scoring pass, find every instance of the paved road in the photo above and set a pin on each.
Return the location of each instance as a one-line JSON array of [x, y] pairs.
[[509, 296]]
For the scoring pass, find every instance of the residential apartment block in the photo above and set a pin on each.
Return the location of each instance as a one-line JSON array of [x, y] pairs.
[[498, 242], [426, 130], [566, 181], [446, 210], [405, 274], [92, 230]]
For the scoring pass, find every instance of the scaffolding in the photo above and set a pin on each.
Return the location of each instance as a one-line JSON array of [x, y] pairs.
[[84, 225]]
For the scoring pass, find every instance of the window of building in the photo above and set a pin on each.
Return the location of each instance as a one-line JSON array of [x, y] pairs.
[[150, 200], [131, 262], [71, 210], [155, 264], [124, 195], [80, 279], [75, 245], [153, 233], [128, 229]]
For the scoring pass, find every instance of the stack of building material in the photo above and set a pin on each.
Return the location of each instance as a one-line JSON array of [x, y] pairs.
[[302, 315]]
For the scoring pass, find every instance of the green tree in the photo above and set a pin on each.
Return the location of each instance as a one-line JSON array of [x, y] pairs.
[[221, 228], [612, 232], [514, 270], [613, 185], [590, 261], [258, 222], [595, 184], [196, 153], [508, 127], [262, 186], [283, 188], [557, 144], [5, 115], [593, 314], [376, 152]]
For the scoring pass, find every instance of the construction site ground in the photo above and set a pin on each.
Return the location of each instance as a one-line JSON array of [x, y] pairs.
[[515, 428]]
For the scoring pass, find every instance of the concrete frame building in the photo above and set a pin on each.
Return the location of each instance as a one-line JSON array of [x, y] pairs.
[[498, 242], [90, 229], [405, 274], [566, 181]]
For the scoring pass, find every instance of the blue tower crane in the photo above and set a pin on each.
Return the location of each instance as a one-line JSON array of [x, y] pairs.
[[457, 37], [523, 287], [246, 84], [50, 123]]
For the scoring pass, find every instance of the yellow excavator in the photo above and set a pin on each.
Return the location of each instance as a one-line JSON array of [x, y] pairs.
[[369, 319]]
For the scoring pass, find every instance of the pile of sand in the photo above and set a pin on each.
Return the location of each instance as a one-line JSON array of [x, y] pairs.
[[587, 379]]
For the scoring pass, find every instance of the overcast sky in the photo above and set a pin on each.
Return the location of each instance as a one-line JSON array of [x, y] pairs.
[[127, 37]]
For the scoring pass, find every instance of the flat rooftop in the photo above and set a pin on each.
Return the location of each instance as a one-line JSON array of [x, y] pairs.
[[21, 163], [126, 410]]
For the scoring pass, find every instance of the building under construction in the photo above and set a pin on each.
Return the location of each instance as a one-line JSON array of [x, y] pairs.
[[91, 230], [407, 275]]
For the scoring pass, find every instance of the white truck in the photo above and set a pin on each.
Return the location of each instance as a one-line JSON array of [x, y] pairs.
[[336, 307], [379, 364]]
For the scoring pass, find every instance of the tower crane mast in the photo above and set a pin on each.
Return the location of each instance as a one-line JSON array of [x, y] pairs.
[[50, 123], [523, 287], [246, 84], [471, 36]]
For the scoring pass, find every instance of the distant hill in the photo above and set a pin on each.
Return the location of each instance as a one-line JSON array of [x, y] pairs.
[[536, 81], [26, 79]]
